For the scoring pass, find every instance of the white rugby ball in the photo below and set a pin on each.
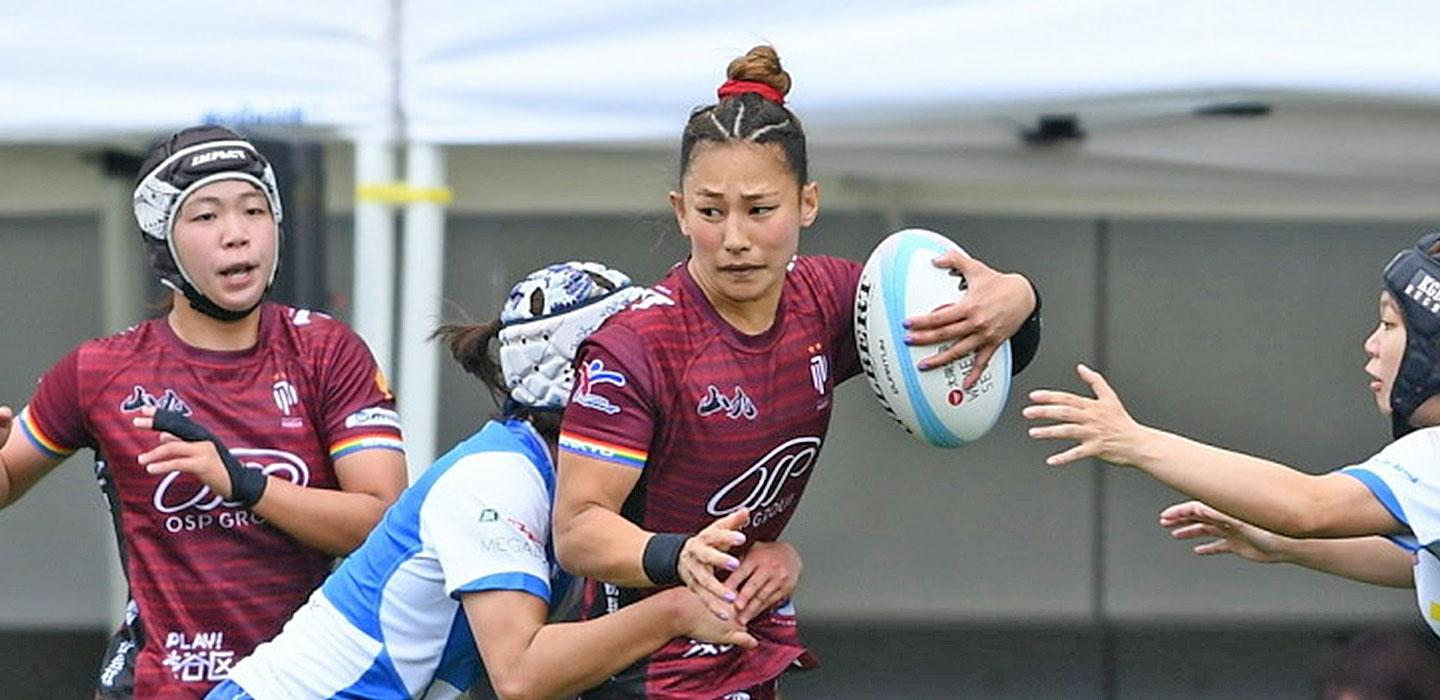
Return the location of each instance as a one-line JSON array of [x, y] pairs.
[[898, 282]]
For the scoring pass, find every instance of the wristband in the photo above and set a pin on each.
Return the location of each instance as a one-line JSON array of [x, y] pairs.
[[1026, 341], [246, 485], [662, 557]]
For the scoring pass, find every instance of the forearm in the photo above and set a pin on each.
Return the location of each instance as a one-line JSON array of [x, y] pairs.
[[331, 520], [5, 488], [564, 658], [1259, 491], [1373, 560], [601, 544]]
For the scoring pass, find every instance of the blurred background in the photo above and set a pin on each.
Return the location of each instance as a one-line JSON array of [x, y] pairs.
[[1205, 193]]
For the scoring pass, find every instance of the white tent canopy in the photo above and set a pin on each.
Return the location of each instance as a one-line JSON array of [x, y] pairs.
[[913, 99], [915, 92]]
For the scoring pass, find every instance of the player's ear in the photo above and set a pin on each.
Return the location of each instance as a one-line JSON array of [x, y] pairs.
[[809, 203], [677, 205]]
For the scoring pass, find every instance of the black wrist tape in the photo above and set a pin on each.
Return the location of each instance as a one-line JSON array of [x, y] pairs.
[[1026, 341], [246, 485], [662, 557]]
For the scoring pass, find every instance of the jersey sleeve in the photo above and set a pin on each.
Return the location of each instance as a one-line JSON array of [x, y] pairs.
[[1405, 478], [54, 421], [488, 520], [845, 276], [834, 281], [611, 414], [359, 410]]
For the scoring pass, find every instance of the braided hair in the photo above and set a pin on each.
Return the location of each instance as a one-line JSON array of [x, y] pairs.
[[750, 109]]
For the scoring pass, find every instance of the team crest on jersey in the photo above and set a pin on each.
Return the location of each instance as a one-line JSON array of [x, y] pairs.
[[819, 373], [139, 398], [734, 407], [592, 374], [285, 395]]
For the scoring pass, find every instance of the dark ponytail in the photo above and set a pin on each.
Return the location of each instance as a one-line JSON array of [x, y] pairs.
[[475, 346]]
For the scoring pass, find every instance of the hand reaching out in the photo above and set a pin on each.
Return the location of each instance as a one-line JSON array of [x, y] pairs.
[[1193, 519], [1101, 425]]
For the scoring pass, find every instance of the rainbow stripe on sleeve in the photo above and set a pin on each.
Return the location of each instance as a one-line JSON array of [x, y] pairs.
[[39, 439], [605, 451], [384, 441]]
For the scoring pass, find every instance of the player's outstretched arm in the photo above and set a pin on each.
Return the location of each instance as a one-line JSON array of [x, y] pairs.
[[335, 521], [1258, 491], [527, 658], [1371, 559], [994, 307]]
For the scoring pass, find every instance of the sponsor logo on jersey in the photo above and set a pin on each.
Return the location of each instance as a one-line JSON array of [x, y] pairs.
[[699, 648], [591, 375], [366, 417], [116, 665], [511, 545], [198, 658], [179, 494], [759, 487], [304, 317], [656, 296], [489, 515], [524, 529], [140, 398], [1399, 469], [734, 407]]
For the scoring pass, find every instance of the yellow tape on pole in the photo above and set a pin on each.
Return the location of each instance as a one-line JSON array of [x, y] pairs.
[[401, 193]]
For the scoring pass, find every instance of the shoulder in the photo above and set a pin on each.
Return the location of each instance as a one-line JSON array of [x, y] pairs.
[[145, 340], [822, 282], [824, 275], [494, 473], [308, 332], [649, 316], [305, 322], [1419, 447]]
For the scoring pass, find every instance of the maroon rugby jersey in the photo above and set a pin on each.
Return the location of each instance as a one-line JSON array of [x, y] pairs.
[[211, 581], [717, 420]]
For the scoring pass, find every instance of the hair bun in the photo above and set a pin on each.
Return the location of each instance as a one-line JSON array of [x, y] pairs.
[[760, 65]]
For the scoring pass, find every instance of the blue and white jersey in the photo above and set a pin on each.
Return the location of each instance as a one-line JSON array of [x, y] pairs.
[[388, 622], [1405, 476]]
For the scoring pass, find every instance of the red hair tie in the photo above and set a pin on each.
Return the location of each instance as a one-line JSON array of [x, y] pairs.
[[738, 87]]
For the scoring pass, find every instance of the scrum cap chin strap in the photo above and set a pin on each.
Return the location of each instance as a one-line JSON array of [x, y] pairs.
[[1413, 279]]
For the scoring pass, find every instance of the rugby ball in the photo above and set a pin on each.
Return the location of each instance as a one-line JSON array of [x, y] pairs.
[[898, 282]]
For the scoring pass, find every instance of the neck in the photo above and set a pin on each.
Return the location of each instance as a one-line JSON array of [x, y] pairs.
[[751, 317], [200, 331]]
